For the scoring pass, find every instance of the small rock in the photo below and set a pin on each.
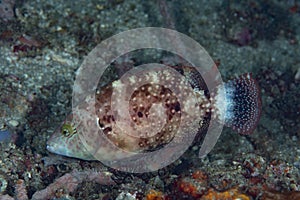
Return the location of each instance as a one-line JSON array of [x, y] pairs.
[[3, 184], [126, 196], [13, 123], [6, 9]]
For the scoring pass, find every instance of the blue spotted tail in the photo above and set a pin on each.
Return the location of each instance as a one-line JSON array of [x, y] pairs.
[[243, 107]]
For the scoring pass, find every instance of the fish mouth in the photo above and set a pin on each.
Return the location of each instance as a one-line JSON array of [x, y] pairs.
[[49, 148], [52, 144], [56, 149]]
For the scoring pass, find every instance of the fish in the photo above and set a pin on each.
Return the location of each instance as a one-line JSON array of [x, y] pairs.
[[156, 113]]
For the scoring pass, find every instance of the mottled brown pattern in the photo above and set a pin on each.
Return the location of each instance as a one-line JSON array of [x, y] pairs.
[[140, 104]]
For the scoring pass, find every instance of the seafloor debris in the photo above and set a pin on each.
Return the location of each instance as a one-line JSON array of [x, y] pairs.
[[6, 197], [5, 135], [6, 9], [245, 25], [13, 101], [194, 186], [69, 182], [271, 195], [154, 195], [126, 196], [233, 193], [3, 184], [20, 190]]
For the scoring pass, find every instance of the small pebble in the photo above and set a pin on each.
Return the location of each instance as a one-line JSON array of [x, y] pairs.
[[3, 184], [125, 196], [13, 123], [2, 126]]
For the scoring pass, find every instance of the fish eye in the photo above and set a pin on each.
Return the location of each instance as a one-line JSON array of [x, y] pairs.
[[67, 130]]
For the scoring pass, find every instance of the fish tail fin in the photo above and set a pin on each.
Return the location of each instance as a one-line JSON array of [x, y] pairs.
[[243, 104]]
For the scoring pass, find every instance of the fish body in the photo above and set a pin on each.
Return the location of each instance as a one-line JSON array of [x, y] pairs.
[[140, 118]]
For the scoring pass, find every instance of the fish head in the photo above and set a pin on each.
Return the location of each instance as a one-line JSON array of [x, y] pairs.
[[66, 141]]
